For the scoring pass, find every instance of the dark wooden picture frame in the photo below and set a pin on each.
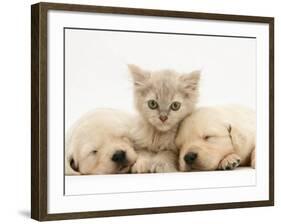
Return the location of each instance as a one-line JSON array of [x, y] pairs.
[[39, 110]]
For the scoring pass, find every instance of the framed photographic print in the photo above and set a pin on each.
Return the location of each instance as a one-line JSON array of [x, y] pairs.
[[140, 111]]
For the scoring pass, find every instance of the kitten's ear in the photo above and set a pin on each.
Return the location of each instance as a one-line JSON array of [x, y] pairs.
[[139, 75], [191, 80]]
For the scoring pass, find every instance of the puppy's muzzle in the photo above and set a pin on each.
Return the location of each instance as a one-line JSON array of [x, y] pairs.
[[119, 157], [190, 158]]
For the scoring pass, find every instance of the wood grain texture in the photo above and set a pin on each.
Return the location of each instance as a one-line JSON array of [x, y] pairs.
[[38, 112], [271, 111]]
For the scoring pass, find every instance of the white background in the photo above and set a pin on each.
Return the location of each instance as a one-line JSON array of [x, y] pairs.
[[97, 74], [15, 113]]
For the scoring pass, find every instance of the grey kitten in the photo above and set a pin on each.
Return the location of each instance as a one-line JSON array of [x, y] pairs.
[[162, 98]]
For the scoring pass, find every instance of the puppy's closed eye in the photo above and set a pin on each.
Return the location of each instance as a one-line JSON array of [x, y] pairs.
[[94, 152], [207, 137]]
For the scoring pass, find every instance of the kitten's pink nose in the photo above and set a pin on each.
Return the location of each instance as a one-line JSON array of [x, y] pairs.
[[163, 118]]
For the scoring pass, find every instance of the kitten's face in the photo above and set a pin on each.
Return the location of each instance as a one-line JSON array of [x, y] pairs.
[[165, 97]]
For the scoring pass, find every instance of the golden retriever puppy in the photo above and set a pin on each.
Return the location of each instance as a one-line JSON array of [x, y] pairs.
[[99, 143], [214, 138]]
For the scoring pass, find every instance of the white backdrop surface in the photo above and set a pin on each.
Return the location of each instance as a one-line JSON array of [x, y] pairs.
[[96, 73]]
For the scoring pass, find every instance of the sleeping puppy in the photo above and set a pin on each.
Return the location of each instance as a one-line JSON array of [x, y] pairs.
[[98, 143], [214, 138]]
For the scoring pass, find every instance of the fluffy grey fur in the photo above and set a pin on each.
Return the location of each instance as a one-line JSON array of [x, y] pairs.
[[154, 137]]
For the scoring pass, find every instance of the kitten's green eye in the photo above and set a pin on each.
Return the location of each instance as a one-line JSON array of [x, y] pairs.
[[152, 104], [175, 106]]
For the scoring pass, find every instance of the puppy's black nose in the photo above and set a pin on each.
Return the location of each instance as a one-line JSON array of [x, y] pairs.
[[190, 157], [119, 156]]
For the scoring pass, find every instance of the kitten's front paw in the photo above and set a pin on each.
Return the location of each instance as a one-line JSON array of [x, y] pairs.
[[230, 162], [142, 165], [162, 167]]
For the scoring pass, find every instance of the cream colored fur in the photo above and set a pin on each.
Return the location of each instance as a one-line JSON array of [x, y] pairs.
[[223, 138], [94, 139], [154, 139]]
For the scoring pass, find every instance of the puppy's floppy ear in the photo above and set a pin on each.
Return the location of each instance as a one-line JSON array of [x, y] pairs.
[[71, 168], [238, 139], [190, 81], [229, 128], [73, 165], [139, 75]]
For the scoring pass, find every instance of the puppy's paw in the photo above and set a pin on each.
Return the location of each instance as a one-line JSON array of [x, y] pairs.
[[230, 162], [142, 165], [162, 167]]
